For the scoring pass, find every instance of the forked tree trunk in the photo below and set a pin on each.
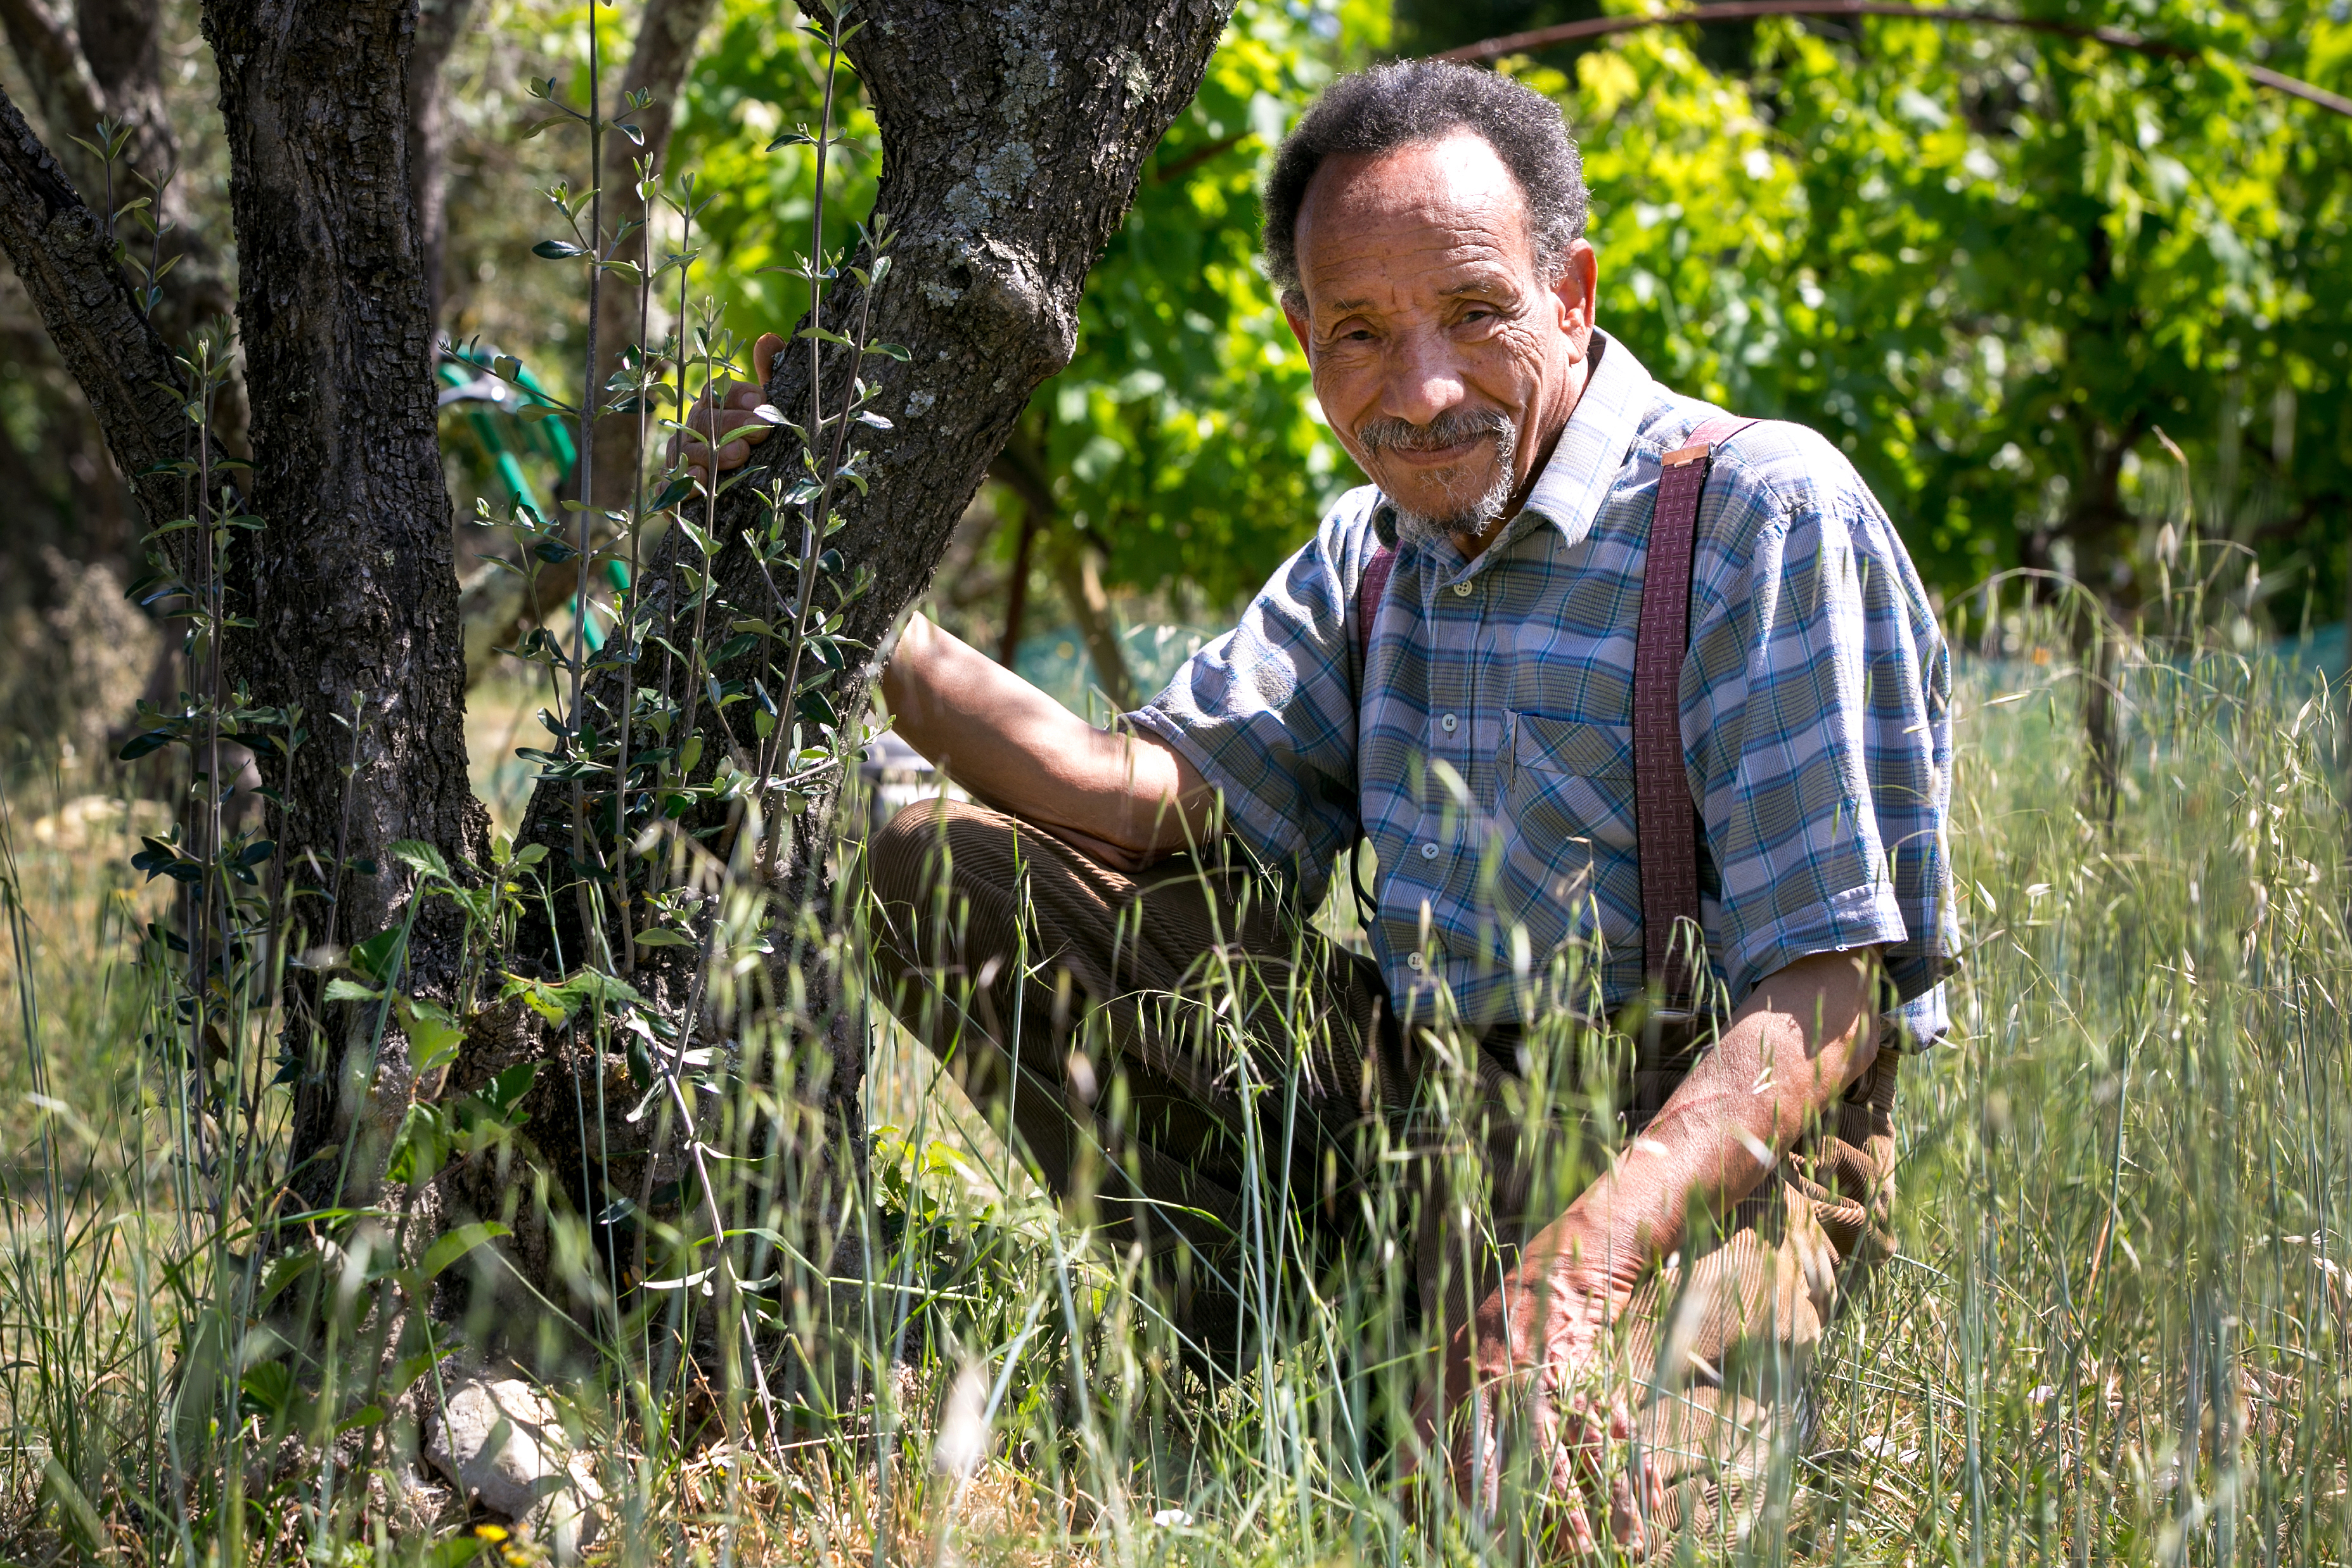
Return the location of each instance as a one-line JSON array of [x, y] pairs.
[[1012, 139], [658, 65]]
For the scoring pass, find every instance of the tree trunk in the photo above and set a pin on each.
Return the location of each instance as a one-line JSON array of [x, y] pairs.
[[501, 607], [1079, 575], [1012, 143], [1012, 140], [1072, 561], [1016, 595], [658, 65], [352, 582], [439, 25]]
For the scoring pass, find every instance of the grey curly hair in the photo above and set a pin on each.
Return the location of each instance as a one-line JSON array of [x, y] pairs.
[[1412, 102]]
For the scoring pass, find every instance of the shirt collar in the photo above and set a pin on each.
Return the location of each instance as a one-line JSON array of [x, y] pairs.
[[1591, 450]]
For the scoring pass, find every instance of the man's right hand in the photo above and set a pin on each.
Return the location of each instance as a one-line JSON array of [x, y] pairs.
[[722, 429]]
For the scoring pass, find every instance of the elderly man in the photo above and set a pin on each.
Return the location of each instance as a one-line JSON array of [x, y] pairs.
[[1595, 669]]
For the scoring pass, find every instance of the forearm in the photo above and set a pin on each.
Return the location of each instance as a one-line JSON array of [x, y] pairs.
[[1785, 1060], [1013, 747]]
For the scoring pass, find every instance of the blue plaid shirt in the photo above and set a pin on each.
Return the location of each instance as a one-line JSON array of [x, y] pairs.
[[1487, 749]]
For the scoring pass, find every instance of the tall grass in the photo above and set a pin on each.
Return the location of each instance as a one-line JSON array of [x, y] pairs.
[[2115, 1332]]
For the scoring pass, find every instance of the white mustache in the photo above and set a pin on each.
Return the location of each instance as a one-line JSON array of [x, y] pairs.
[[1449, 429]]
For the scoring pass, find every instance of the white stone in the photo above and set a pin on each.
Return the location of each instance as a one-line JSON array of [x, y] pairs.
[[501, 1441]]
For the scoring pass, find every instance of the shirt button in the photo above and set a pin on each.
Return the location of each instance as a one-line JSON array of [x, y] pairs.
[[1429, 851], [1446, 723], [1415, 963], [1461, 590]]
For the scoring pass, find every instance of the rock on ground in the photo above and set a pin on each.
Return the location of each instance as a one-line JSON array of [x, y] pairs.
[[501, 1442]]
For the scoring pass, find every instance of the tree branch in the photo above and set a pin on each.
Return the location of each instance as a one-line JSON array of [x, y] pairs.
[[61, 251], [1749, 10]]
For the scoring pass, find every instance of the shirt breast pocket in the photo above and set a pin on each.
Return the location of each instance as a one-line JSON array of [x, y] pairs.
[[1569, 806]]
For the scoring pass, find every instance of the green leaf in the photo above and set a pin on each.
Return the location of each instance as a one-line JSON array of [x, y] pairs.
[[453, 1552], [455, 1244], [378, 955], [418, 1147], [365, 1416], [557, 249], [284, 1271], [341, 989], [422, 858], [508, 1089], [435, 1036], [270, 1386], [662, 936]]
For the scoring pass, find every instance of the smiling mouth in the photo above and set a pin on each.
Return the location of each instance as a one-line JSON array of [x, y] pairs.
[[1435, 458]]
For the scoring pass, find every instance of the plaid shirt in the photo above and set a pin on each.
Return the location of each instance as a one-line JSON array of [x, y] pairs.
[[1487, 749]]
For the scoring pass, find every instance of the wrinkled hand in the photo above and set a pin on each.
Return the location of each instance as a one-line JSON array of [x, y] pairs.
[[1536, 1353], [722, 425]]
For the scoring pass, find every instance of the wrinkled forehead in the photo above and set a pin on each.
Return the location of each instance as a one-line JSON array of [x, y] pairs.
[[1418, 220]]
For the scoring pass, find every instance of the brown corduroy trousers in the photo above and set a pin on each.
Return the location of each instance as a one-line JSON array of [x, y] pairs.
[[1181, 1057]]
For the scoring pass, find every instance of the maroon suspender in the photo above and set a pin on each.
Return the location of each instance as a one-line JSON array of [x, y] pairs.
[[1665, 821], [1368, 595]]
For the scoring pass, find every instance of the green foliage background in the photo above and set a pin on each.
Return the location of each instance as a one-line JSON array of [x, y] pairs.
[[2021, 278], [1995, 265]]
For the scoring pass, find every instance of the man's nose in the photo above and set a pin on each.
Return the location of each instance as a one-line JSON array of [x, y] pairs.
[[1424, 376]]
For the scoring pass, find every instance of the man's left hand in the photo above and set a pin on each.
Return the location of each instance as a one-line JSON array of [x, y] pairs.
[[1536, 1359], [1537, 1347]]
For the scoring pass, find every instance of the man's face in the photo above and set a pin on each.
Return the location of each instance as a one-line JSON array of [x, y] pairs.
[[1446, 361]]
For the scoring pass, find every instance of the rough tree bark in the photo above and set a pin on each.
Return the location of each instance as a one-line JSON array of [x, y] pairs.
[[1012, 139], [352, 582]]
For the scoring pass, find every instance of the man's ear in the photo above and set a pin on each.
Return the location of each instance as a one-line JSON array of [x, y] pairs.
[[1294, 311], [1574, 293]]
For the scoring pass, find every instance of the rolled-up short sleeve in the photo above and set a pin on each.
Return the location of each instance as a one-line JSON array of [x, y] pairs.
[[1816, 717], [1268, 712]]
